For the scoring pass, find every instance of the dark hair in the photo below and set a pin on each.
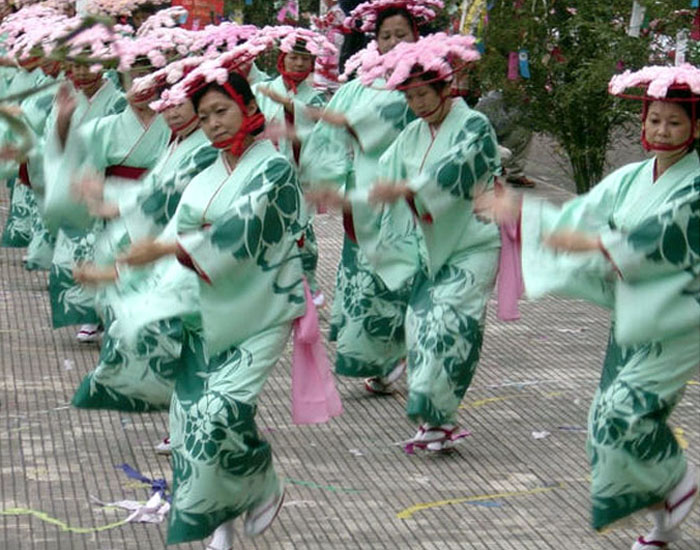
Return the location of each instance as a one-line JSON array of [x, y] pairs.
[[687, 106], [238, 83], [430, 77], [235, 80], [391, 12]]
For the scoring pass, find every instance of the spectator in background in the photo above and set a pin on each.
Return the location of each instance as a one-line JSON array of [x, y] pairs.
[[354, 40]]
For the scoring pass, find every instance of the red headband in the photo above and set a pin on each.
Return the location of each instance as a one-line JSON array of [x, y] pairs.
[[236, 144], [291, 79]]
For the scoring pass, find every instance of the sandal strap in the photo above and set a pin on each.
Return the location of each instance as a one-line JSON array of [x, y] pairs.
[[690, 494], [656, 543]]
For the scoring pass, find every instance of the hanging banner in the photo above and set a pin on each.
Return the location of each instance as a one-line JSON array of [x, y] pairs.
[[513, 65], [473, 11], [681, 47], [636, 19], [202, 12]]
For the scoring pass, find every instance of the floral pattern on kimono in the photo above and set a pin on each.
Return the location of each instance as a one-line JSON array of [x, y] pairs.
[[649, 277], [451, 272], [367, 318]]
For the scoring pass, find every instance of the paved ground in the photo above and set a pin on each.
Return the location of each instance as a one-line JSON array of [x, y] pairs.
[[349, 485]]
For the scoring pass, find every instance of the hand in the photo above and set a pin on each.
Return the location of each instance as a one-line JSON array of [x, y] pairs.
[[572, 241], [11, 109], [275, 132], [103, 210], [328, 198], [65, 100], [90, 188], [10, 153], [497, 205], [145, 252], [333, 118], [385, 192], [89, 274], [287, 103]]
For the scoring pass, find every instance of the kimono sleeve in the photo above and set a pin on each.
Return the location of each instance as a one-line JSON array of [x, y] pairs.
[[662, 244], [385, 233], [265, 213], [587, 275], [94, 141], [303, 125], [155, 205], [376, 127], [472, 160]]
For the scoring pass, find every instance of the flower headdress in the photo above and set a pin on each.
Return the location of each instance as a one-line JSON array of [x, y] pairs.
[[117, 8], [94, 45], [656, 81], [209, 70], [289, 39], [165, 18], [216, 39], [166, 77], [660, 83], [364, 16], [438, 54], [29, 30], [157, 48]]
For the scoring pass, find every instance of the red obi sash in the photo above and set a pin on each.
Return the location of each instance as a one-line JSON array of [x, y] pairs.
[[126, 172]]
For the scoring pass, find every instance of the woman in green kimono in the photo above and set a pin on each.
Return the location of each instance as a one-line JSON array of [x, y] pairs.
[[433, 168], [121, 147], [632, 245], [90, 98], [138, 375], [342, 152], [143, 335], [18, 227], [284, 100], [238, 227]]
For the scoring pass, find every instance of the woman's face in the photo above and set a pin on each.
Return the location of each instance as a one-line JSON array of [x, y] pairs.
[[668, 124], [295, 62], [220, 117], [394, 29], [426, 102], [84, 78], [177, 116]]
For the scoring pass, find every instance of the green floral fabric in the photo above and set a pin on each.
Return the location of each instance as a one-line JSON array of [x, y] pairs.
[[133, 377], [221, 465], [444, 333], [367, 318], [18, 226], [71, 303], [649, 276]]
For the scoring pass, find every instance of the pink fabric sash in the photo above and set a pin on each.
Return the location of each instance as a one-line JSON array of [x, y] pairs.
[[510, 275], [314, 397]]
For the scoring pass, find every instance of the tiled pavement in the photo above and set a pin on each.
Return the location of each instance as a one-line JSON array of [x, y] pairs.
[[349, 484]]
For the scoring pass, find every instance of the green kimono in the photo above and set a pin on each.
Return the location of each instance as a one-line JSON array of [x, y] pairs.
[[367, 319], [240, 231], [137, 374], [36, 111], [450, 256], [75, 241], [276, 114], [649, 277], [18, 227]]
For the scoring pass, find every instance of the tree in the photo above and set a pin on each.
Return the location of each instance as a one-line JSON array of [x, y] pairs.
[[573, 49]]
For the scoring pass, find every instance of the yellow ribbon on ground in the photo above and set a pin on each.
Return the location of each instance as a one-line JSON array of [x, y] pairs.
[[58, 523], [408, 512]]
